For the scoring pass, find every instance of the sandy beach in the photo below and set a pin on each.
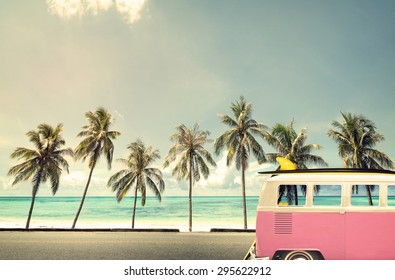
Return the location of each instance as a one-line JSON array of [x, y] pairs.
[[123, 245]]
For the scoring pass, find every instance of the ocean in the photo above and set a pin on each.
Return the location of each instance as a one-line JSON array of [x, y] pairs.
[[105, 212]]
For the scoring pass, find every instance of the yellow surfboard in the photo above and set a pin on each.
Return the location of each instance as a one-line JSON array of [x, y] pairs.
[[286, 164]]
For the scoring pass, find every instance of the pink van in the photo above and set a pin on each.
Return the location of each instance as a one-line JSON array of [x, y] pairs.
[[330, 214]]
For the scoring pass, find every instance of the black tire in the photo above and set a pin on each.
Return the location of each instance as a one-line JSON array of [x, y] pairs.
[[301, 255], [298, 255]]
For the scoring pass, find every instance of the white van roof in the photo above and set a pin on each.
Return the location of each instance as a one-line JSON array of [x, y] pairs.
[[332, 175], [331, 170]]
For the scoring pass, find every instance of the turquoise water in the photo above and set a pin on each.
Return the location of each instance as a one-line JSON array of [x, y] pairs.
[[336, 200], [105, 212]]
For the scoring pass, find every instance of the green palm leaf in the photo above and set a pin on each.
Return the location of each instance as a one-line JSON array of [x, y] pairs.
[[239, 140], [190, 156], [291, 145], [97, 141], [44, 163], [138, 175], [356, 136]]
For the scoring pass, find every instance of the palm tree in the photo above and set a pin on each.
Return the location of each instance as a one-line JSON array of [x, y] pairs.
[[189, 154], [97, 141], [356, 136], [138, 175], [240, 142], [45, 162], [291, 145]]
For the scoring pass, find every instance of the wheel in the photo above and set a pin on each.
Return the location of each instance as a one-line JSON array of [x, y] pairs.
[[299, 255]]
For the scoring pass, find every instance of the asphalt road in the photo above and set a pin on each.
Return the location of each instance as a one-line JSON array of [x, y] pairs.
[[15, 245]]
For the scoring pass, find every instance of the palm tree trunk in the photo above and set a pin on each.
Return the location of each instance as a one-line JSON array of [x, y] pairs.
[[31, 209], [243, 191], [34, 193], [134, 207], [190, 194], [83, 196], [280, 196], [369, 195]]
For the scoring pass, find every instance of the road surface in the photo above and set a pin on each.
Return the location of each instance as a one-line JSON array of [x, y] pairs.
[[58, 245]]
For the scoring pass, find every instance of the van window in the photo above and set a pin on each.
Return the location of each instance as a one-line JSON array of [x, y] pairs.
[[365, 195], [391, 195], [327, 195], [291, 195]]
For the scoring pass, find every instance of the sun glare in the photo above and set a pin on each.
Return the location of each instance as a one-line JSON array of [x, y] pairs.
[[130, 10]]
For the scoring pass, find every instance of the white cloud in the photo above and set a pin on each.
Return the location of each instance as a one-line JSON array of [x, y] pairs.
[[253, 179], [219, 175], [130, 10], [74, 179], [96, 6], [65, 8], [223, 180], [75, 182], [6, 182], [78, 179]]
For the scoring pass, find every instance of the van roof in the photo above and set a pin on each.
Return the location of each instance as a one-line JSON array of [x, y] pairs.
[[332, 175], [331, 171]]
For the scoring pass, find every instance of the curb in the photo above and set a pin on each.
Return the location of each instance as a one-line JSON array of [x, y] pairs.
[[90, 230], [117, 230], [231, 230]]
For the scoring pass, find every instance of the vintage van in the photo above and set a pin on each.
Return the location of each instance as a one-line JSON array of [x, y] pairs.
[[331, 214]]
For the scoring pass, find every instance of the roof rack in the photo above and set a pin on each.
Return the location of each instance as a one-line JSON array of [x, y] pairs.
[[330, 170]]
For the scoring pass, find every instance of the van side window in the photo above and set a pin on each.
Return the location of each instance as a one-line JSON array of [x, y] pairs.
[[291, 195], [365, 195], [327, 195], [391, 195]]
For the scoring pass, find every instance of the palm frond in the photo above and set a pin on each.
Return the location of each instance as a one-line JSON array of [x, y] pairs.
[[271, 157], [232, 150], [241, 107], [291, 145], [313, 159], [204, 170], [298, 141], [46, 162], [181, 170], [156, 175], [35, 138], [97, 138], [225, 139], [206, 155], [382, 159], [24, 153], [108, 149], [115, 178], [138, 172], [356, 137], [23, 171], [227, 120], [123, 185], [256, 148], [54, 175], [188, 145], [154, 187]]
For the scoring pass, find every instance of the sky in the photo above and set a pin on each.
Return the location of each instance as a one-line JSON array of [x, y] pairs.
[[156, 64]]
